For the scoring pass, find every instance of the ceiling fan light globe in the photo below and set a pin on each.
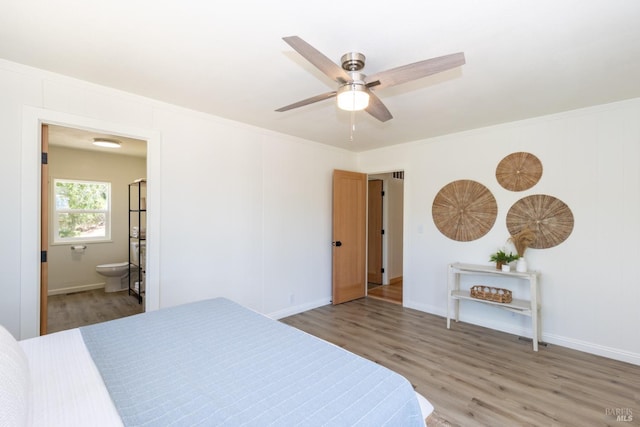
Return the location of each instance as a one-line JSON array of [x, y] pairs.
[[352, 97]]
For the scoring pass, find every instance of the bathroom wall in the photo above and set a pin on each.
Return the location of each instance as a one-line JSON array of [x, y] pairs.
[[70, 271]]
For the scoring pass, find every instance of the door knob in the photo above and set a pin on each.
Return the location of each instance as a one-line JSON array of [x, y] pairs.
[[337, 243]]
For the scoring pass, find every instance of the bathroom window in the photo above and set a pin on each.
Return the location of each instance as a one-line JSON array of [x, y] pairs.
[[81, 211]]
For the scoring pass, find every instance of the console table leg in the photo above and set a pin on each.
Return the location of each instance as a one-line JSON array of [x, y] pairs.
[[535, 318], [448, 308]]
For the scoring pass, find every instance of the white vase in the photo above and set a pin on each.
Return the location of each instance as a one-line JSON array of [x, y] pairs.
[[521, 265]]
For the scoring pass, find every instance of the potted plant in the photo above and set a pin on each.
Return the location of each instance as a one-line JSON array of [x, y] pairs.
[[501, 258]]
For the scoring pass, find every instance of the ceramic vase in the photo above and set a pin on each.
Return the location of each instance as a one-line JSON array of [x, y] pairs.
[[521, 265]]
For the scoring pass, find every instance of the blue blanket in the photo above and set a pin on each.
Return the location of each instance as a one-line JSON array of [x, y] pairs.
[[216, 363]]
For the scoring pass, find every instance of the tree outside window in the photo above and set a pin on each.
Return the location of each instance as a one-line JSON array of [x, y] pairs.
[[81, 210]]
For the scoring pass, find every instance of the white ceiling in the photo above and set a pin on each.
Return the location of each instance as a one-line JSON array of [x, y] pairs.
[[83, 140], [525, 58]]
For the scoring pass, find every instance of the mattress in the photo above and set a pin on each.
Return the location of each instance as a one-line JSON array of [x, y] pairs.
[[209, 363]]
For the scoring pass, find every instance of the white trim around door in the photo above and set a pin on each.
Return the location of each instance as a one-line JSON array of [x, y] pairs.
[[32, 119]]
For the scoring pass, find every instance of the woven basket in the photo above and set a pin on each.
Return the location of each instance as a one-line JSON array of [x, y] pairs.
[[491, 294]]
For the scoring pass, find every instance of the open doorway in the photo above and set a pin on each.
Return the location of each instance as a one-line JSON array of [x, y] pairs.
[[73, 291], [31, 265], [385, 236]]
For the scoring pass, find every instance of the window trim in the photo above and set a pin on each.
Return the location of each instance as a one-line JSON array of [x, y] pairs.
[[55, 237]]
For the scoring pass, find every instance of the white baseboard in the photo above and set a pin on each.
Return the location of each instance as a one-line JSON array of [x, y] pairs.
[[431, 309], [290, 311], [597, 349], [73, 289], [584, 346]]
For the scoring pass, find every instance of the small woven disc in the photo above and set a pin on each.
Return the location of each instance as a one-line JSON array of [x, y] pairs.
[[519, 171], [548, 217], [464, 210]]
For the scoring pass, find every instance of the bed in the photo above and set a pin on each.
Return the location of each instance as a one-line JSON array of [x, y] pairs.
[[206, 363]]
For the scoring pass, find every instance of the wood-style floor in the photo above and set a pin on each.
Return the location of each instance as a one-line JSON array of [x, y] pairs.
[[391, 292], [475, 376], [69, 311]]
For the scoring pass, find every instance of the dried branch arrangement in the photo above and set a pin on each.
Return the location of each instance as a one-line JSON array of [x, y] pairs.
[[523, 240]]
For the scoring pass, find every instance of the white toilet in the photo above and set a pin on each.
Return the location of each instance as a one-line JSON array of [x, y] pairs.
[[117, 275]]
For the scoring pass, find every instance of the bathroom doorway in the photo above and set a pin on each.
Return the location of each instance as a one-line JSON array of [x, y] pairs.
[[385, 231], [72, 292]]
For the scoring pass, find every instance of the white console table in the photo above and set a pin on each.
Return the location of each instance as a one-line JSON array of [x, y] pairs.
[[529, 307]]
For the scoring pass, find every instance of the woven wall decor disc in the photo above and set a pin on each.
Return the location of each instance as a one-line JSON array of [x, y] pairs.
[[550, 218], [519, 171], [464, 210]]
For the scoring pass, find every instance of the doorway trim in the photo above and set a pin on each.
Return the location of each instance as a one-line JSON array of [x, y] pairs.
[[385, 224], [30, 187]]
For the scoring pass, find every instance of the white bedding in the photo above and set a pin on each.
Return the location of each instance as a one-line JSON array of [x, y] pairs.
[[67, 388]]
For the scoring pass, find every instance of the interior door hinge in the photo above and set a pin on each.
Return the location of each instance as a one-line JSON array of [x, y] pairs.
[[45, 158], [382, 193], [43, 256], [382, 231], [382, 270]]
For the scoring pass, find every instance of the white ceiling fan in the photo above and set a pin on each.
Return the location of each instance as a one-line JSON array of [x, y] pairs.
[[356, 90]]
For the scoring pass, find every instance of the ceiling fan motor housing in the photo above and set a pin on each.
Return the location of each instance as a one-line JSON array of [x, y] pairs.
[[352, 61]]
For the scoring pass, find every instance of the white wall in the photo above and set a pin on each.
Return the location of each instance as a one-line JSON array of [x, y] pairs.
[[249, 214], [70, 271], [590, 284], [242, 212]]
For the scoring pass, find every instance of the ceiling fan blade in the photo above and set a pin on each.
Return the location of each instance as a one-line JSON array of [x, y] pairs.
[[377, 109], [318, 59], [405, 73], [308, 101]]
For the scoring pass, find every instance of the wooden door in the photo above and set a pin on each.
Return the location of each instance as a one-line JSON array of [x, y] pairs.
[[349, 236], [44, 229], [374, 232]]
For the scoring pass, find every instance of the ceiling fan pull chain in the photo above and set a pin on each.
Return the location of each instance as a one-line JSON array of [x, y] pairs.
[[353, 126]]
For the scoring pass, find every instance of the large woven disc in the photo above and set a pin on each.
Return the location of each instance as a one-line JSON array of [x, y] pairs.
[[519, 171], [464, 210], [548, 217]]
